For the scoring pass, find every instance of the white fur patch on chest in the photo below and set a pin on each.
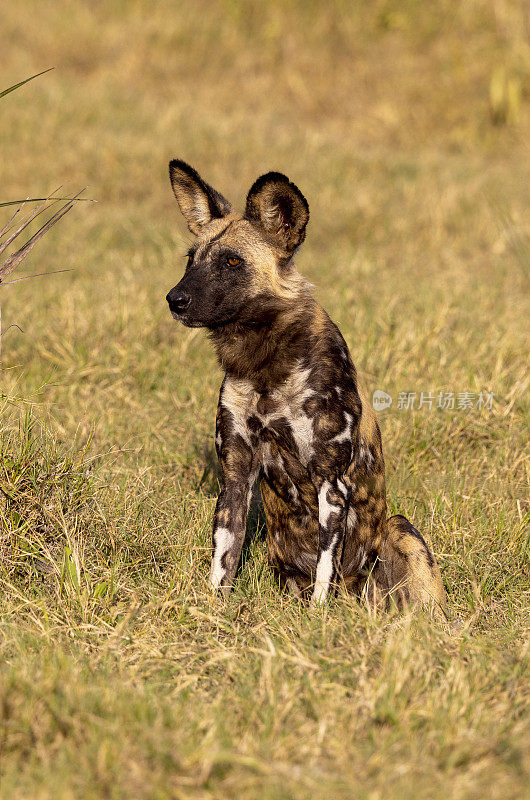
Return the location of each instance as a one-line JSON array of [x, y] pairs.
[[239, 397], [286, 403]]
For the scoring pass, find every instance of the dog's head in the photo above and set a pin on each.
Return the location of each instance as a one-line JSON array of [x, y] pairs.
[[240, 267]]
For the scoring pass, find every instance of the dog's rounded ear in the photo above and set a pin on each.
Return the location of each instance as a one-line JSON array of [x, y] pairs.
[[197, 200], [278, 206]]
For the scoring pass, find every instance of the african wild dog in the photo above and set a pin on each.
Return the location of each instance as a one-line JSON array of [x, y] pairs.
[[291, 412]]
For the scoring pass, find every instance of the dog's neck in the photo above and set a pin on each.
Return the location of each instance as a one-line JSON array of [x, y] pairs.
[[266, 351]]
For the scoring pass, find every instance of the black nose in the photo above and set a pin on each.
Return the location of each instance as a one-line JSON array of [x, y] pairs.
[[178, 301]]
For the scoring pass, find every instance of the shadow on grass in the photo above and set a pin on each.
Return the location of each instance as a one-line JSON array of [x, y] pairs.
[[210, 482]]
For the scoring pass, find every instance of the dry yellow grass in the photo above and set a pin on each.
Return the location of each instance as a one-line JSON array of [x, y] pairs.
[[118, 676]]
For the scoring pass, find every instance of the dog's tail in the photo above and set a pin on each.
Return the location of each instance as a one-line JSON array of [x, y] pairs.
[[406, 570]]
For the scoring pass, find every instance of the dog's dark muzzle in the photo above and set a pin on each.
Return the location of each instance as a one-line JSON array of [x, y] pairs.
[[178, 301]]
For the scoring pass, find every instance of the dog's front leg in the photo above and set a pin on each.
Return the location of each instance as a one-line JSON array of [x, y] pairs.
[[237, 459], [229, 528], [332, 508]]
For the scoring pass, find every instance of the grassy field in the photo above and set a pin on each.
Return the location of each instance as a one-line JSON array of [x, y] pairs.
[[407, 127]]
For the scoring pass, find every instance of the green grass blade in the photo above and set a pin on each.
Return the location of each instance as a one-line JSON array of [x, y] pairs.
[[17, 85], [40, 199]]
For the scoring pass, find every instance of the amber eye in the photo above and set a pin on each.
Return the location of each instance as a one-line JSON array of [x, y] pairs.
[[233, 261], [190, 259]]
